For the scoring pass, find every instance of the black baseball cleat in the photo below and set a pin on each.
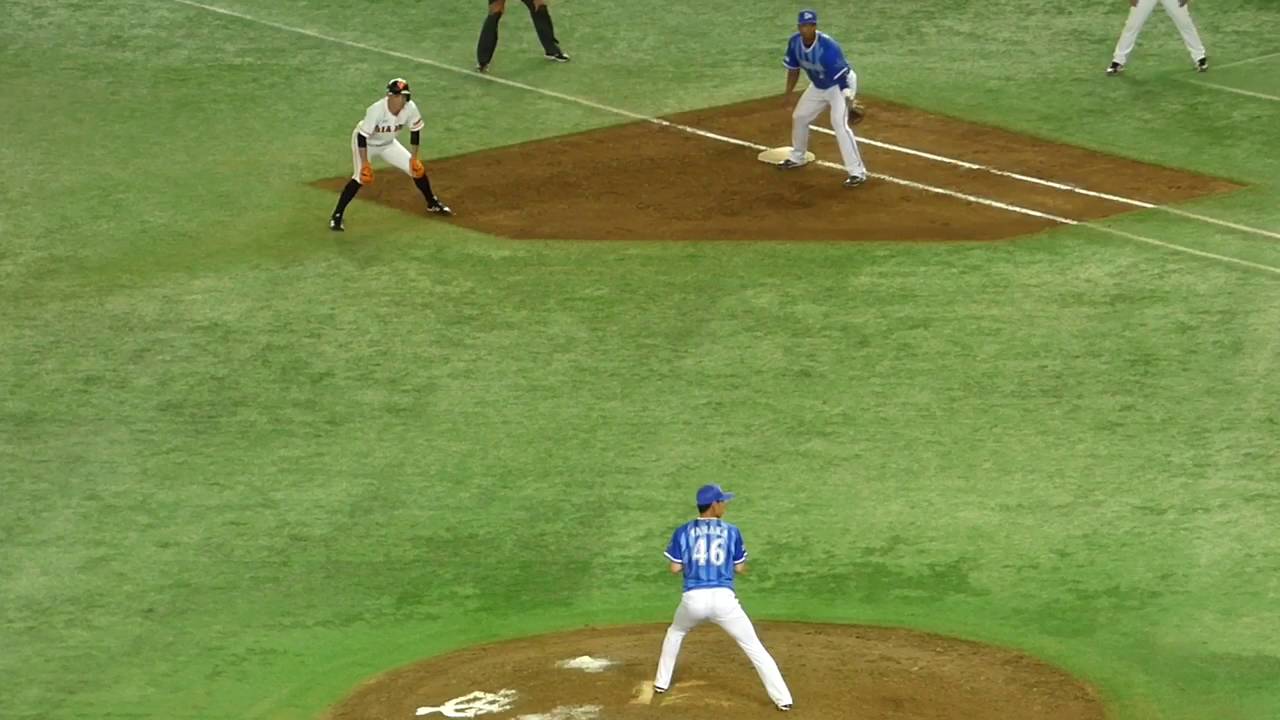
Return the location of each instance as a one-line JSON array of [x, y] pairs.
[[784, 708], [1115, 68], [659, 690], [335, 224], [1202, 65], [854, 181], [557, 56], [789, 164], [435, 206]]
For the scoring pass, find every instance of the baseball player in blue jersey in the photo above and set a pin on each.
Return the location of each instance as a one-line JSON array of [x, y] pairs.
[[708, 551], [832, 83]]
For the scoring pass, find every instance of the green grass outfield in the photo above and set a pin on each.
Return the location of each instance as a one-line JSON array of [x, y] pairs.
[[245, 464]]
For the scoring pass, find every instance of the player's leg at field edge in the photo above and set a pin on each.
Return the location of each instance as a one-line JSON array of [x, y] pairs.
[[398, 157], [489, 34], [348, 194]]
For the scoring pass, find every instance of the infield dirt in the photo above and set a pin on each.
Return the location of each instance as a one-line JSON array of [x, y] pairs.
[[642, 181], [834, 671]]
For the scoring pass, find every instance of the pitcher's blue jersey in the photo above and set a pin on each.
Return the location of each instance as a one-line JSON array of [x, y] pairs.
[[710, 549], [823, 62]]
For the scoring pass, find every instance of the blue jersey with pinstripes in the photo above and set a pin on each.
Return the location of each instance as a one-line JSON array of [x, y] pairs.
[[709, 549], [823, 61]]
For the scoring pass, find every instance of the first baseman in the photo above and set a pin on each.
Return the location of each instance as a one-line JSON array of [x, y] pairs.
[[708, 551], [1139, 11], [832, 83], [375, 137]]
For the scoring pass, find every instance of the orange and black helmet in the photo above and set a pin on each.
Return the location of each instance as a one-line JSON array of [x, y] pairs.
[[398, 86]]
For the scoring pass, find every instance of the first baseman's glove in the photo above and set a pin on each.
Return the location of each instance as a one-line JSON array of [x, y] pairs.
[[857, 111], [416, 168], [366, 174]]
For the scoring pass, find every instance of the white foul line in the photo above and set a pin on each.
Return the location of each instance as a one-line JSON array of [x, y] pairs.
[[863, 139], [1247, 61], [1057, 185], [725, 138], [1238, 91]]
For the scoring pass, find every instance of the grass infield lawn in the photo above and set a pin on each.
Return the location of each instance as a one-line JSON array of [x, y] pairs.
[[246, 463]]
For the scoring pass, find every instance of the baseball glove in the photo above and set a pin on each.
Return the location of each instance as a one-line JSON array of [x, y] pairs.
[[366, 174], [416, 168], [857, 111]]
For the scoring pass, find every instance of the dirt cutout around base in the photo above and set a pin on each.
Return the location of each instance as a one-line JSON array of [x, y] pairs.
[[834, 672], [647, 182]]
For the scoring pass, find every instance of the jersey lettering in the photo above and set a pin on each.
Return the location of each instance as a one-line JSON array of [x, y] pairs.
[[710, 549], [381, 125]]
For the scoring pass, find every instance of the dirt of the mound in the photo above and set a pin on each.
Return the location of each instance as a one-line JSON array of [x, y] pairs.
[[834, 672], [643, 181]]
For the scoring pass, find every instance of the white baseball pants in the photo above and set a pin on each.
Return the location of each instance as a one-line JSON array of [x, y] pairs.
[[812, 102], [1138, 15], [720, 606], [393, 153]]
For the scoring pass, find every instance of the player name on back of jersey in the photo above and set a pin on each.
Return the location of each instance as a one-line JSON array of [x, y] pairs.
[[701, 529]]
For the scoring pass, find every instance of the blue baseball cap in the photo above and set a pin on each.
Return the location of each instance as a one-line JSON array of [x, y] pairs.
[[807, 17], [708, 494]]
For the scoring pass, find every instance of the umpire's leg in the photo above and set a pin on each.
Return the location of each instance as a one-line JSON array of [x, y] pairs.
[[489, 33], [542, 23]]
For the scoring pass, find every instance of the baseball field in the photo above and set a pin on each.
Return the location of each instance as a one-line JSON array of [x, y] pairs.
[[1004, 422]]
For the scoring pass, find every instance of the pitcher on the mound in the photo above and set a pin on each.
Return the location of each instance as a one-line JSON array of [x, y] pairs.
[[832, 83], [707, 551]]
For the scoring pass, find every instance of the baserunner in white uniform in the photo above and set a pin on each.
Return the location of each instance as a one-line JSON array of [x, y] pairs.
[[1139, 11], [832, 83], [375, 138], [707, 551]]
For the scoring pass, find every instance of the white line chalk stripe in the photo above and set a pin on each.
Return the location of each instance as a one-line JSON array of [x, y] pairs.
[[423, 61], [1238, 91], [975, 166], [1260, 58], [959, 195], [1057, 185], [1215, 221], [1185, 249], [714, 136]]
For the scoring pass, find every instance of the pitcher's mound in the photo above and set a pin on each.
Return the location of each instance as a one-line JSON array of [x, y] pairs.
[[835, 672]]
